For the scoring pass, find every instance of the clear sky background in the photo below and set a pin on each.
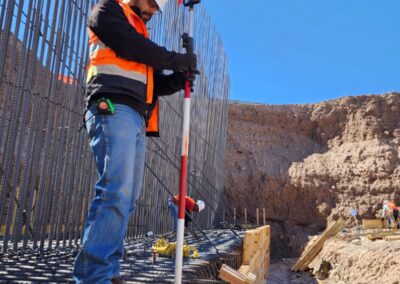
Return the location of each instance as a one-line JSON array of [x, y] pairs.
[[308, 51]]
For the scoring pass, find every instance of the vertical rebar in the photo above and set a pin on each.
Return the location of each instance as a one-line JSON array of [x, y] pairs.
[[12, 148], [47, 171], [27, 87]]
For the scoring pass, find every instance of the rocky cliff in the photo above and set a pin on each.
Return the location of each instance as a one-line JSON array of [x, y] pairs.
[[309, 164]]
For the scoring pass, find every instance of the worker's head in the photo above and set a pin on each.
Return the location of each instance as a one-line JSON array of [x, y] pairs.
[[147, 8], [199, 205]]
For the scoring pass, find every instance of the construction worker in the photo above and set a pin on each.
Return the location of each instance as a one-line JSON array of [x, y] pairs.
[[390, 211], [190, 206], [124, 81]]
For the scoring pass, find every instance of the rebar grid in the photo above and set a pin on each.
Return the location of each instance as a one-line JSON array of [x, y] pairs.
[[139, 265], [46, 169]]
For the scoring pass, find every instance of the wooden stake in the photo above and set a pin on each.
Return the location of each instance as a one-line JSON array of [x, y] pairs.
[[245, 216], [257, 213], [264, 221], [234, 216]]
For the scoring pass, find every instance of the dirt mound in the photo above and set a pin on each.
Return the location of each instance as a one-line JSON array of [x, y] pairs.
[[359, 260], [307, 164]]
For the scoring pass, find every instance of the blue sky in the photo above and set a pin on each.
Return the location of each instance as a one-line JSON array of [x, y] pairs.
[[294, 52]]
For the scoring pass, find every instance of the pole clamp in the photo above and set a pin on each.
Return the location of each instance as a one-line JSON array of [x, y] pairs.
[[187, 43]]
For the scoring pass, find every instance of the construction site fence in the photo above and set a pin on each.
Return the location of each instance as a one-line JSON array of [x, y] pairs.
[[47, 172]]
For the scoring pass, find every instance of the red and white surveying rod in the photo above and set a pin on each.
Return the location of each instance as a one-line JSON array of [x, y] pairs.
[[188, 44]]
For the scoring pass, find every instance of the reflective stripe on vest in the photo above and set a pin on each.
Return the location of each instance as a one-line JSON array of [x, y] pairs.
[[112, 69], [103, 60]]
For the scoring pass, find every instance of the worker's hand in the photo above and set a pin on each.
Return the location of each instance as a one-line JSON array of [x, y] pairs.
[[181, 77], [187, 76], [187, 62]]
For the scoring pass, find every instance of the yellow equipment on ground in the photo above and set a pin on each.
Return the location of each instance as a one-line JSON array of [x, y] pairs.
[[165, 248]]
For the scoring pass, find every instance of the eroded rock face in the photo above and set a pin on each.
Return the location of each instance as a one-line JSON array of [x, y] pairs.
[[307, 164]]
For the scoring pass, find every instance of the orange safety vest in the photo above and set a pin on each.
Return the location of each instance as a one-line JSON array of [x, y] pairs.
[[103, 60], [391, 205]]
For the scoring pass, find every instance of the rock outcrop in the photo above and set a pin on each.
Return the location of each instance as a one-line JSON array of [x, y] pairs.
[[309, 164]]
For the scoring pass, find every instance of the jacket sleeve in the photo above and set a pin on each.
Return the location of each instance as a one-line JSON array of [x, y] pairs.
[[107, 20], [165, 85]]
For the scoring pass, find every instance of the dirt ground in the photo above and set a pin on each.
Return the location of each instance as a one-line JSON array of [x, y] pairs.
[[354, 258], [349, 257], [280, 273]]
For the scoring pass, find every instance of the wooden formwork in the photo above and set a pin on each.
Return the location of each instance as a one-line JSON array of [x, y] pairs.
[[392, 238], [379, 230], [315, 248], [256, 255], [372, 224]]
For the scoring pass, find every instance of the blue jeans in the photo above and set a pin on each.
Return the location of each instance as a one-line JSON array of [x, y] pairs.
[[395, 217], [174, 212], [118, 143]]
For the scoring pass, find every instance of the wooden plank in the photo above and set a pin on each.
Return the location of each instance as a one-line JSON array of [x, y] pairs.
[[256, 254], [315, 248], [263, 259], [372, 224], [268, 231], [392, 238], [256, 261], [262, 231], [265, 239], [244, 269], [250, 243], [381, 235], [251, 278], [230, 275]]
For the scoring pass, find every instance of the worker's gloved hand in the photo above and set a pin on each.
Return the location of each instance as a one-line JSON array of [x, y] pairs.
[[186, 62], [179, 78]]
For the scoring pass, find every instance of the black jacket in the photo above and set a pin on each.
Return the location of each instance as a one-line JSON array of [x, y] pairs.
[[107, 20]]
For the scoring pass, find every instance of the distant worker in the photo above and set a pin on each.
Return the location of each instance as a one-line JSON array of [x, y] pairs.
[[390, 210], [190, 206], [123, 83]]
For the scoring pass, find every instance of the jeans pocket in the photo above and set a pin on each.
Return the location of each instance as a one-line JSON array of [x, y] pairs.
[[90, 121]]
